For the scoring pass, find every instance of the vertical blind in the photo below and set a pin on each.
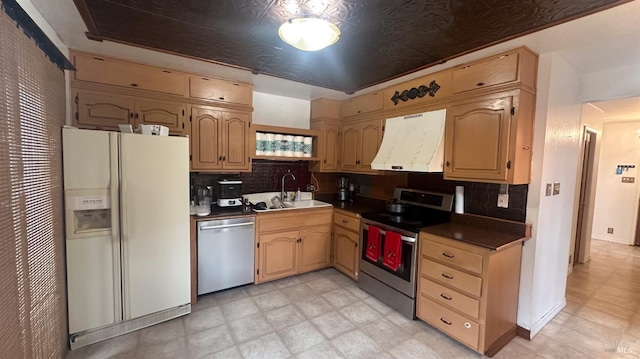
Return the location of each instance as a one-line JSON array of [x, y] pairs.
[[32, 269]]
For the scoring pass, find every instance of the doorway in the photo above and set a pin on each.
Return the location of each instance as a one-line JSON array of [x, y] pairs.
[[585, 199]]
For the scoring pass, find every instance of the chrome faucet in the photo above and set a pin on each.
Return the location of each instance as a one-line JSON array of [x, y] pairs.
[[283, 194]]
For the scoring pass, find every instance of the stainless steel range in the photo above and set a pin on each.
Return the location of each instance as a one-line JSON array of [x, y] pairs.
[[396, 285]]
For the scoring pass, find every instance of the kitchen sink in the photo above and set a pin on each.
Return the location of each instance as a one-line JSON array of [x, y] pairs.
[[306, 203]]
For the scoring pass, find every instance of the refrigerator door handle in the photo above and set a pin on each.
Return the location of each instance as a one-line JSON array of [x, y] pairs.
[[114, 192]]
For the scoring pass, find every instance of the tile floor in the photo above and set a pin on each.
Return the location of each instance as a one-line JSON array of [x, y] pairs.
[[323, 314]]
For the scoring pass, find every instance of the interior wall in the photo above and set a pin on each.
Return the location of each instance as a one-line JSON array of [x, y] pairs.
[[280, 111], [616, 203], [556, 149], [626, 80]]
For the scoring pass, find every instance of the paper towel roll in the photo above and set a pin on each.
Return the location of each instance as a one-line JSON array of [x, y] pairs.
[[307, 149], [459, 198]]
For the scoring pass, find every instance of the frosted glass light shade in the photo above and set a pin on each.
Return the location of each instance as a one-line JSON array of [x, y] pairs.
[[309, 34]]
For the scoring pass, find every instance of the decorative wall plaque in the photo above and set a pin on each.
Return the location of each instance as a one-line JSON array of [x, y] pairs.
[[418, 92]]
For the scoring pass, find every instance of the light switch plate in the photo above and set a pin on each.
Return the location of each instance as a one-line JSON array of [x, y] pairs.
[[556, 188], [549, 189], [503, 200]]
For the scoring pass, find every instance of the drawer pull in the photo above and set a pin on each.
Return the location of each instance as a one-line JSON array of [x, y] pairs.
[[467, 325], [480, 84], [345, 221], [447, 276], [450, 256], [444, 321], [445, 296]]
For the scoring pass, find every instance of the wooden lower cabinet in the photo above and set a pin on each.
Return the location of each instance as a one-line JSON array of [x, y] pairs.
[[346, 239], [292, 242], [278, 254], [469, 292]]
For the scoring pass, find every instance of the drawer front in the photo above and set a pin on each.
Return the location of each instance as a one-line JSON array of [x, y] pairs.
[[458, 326], [294, 219], [449, 297], [452, 277], [346, 221], [495, 71], [453, 256]]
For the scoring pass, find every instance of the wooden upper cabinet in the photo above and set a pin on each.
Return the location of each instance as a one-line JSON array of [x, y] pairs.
[[360, 144], [220, 90], [278, 255], [235, 135], [102, 110], [420, 91], [114, 72], [362, 104], [325, 108], [370, 140], [477, 140], [160, 112], [315, 248], [350, 144], [489, 139], [329, 142], [512, 67], [219, 140], [205, 128]]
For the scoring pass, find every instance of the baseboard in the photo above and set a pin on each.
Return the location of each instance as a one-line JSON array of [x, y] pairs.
[[535, 328], [501, 342], [524, 333]]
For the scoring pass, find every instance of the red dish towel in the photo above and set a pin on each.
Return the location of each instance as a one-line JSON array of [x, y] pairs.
[[392, 250], [373, 243]]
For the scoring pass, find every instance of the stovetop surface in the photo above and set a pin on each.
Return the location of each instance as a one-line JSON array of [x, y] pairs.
[[411, 220]]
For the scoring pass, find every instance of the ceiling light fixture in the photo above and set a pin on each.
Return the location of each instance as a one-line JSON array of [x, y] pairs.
[[309, 33]]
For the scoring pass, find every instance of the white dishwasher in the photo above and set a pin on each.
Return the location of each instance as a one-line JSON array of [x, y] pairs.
[[226, 249]]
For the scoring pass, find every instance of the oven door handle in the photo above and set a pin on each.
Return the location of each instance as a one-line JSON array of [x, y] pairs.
[[383, 232]]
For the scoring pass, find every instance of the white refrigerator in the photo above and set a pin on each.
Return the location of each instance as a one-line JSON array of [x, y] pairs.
[[127, 231]]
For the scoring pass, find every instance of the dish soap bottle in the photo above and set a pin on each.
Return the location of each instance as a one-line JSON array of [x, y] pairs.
[[298, 195]]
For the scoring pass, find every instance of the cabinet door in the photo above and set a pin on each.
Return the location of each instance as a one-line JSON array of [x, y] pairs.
[[204, 139], [315, 248], [235, 134], [160, 112], [102, 110], [330, 147], [278, 256], [370, 140], [345, 252], [477, 140], [350, 138]]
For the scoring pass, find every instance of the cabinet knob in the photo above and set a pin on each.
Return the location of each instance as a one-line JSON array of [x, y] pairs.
[[448, 164], [219, 158], [480, 84], [131, 115], [137, 115], [345, 221], [325, 161], [134, 85], [221, 98], [356, 244]]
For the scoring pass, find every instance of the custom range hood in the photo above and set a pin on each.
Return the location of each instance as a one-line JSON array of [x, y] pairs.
[[413, 143]]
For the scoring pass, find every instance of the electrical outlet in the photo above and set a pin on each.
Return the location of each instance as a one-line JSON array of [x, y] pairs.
[[549, 189], [556, 188], [628, 179], [503, 200], [610, 230]]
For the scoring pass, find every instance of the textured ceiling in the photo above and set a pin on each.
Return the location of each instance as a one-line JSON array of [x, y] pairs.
[[380, 39]]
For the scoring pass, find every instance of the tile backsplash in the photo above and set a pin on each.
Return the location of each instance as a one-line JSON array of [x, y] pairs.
[[479, 198]]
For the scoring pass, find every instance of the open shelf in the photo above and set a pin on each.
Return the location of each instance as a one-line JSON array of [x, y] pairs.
[[314, 134]]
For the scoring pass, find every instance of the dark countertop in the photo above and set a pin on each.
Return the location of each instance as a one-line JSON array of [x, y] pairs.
[[482, 231], [226, 212], [360, 205]]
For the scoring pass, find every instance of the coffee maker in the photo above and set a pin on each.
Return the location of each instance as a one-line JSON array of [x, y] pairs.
[[229, 192], [342, 183]]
